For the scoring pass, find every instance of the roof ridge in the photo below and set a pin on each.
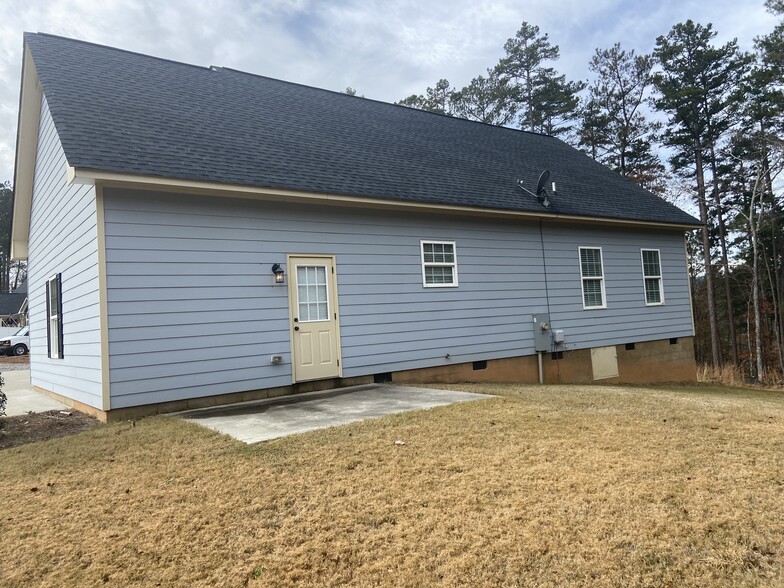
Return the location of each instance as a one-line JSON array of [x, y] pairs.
[[117, 49], [377, 101], [219, 68]]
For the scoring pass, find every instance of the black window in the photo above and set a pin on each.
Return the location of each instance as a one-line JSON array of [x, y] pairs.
[[54, 316]]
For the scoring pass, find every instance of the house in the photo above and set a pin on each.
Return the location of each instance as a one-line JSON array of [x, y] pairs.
[[154, 199]]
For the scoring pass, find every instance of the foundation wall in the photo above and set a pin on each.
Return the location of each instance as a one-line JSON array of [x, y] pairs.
[[650, 362], [137, 412]]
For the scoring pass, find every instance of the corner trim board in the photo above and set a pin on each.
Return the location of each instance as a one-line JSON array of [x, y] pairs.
[[688, 285], [103, 305]]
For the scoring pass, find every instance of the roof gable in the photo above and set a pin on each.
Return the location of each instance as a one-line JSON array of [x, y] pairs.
[[127, 113]]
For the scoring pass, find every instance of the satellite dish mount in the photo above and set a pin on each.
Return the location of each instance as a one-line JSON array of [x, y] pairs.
[[541, 193]]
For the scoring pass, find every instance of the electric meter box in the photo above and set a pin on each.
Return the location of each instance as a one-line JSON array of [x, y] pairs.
[[542, 335]]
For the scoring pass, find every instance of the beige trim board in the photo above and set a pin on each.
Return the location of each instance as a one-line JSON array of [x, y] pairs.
[[688, 285], [140, 182], [103, 305], [26, 147], [101, 415]]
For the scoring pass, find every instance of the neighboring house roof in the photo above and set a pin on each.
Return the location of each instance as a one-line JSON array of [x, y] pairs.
[[127, 113], [11, 303], [21, 288]]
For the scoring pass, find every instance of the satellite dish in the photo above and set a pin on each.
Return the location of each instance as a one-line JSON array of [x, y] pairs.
[[543, 177], [541, 193]]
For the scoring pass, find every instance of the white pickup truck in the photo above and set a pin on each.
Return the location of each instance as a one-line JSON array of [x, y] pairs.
[[16, 344]]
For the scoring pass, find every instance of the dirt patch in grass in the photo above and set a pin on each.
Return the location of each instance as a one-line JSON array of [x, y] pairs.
[[41, 426], [546, 486], [12, 362]]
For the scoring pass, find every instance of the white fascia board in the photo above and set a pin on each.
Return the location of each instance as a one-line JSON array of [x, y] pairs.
[[26, 146]]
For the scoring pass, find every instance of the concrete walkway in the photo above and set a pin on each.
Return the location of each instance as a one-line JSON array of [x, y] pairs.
[[263, 420], [22, 398]]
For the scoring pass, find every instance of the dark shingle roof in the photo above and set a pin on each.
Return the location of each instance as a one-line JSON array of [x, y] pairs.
[[123, 112], [11, 303]]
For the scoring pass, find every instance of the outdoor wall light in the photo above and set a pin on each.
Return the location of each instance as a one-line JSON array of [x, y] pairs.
[[280, 275]]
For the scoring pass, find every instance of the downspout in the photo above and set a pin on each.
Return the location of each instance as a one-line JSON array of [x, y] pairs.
[[541, 375]]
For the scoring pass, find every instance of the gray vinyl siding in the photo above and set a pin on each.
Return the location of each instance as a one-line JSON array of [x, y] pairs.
[[626, 319], [193, 310], [63, 239]]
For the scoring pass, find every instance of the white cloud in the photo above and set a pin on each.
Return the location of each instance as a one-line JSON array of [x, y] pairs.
[[384, 49]]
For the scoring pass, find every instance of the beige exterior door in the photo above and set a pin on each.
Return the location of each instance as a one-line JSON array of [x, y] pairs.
[[315, 333]]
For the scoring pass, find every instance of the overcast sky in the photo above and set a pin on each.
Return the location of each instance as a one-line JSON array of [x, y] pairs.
[[386, 49]]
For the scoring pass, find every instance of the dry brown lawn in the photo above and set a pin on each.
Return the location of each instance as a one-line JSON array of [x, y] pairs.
[[556, 486]]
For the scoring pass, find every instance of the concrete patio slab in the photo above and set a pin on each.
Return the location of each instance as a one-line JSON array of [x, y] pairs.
[[22, 398], [263, 420]]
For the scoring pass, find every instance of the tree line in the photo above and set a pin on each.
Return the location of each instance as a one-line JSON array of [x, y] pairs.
[[12, 273], [721, 145]]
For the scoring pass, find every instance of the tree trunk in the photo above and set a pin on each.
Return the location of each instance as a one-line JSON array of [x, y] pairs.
[[724, 259], [529, 94], [622, 159], [775, 300], [5, 273], [755, 294], [777, 267], [748, 340], [712, 315]]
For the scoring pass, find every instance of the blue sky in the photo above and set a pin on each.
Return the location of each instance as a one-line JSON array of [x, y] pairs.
[[385, 49]]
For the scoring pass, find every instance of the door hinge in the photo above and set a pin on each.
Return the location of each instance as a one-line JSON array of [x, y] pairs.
[[336, 316], [338, 363]]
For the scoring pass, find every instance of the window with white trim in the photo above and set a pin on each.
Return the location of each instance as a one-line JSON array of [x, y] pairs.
[[54, 316], [592, 276], [652, 277], [439, 264]]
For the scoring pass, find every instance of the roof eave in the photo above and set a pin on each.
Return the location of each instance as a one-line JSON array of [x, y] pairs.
[[164, 184], [26, 146]]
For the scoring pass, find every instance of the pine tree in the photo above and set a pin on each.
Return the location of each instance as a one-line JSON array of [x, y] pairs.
[[592, 130], [695, 88], [6, 210], [556, 106], [771, 46], [644, 167], [485, 99], [619, 92], [547, 102], [436, 99], [757, 145]]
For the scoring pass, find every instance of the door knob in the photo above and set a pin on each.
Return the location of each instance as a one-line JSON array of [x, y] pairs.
[[296, 328]]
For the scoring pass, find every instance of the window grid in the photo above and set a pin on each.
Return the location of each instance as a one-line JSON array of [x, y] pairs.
[[652, 277], [439, 264], [592, 276], [312, 297]]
